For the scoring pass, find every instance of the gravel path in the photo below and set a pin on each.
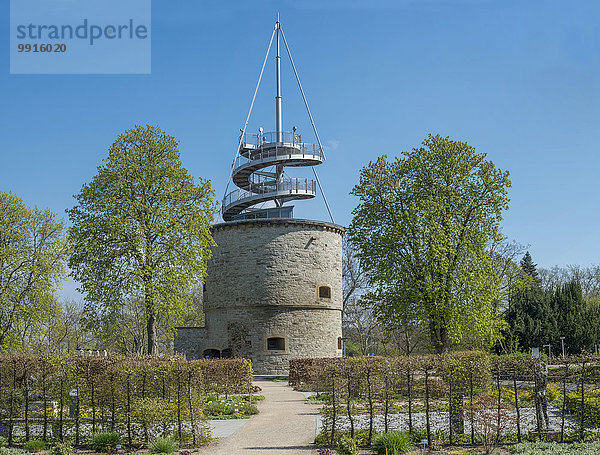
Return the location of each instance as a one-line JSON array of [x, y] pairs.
[[285, 426]]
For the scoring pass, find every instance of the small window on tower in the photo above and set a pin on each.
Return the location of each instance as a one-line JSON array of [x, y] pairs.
[[324, 292], [340, 343], [276, 344]]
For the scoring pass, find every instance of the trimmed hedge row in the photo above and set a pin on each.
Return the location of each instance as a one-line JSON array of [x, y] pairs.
[[488, 391], [377, 380], [462, 368], [63, 396]]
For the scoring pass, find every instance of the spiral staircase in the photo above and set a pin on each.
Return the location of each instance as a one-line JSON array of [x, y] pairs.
[[256, 184], [258, 170]]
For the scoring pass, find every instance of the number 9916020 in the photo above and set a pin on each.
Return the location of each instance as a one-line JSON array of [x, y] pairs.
[[41, 47]]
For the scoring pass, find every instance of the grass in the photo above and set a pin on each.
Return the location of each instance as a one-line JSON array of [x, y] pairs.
[[392, 443], [163, 445], [102, 441], [34, 445]]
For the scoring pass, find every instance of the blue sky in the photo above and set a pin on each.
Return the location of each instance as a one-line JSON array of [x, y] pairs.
[[518, 80]]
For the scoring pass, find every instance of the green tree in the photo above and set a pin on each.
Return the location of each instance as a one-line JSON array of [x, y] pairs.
[[532, 317], [422, 228], [141, 231], [578, 318], [32, 262], [537, 317], [528, 266]]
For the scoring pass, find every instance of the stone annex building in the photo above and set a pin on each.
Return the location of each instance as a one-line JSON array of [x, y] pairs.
[[273, 290]]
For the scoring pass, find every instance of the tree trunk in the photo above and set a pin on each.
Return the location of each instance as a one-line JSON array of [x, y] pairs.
[[152, 335], [151, 318], [439, 336], [149, 300]]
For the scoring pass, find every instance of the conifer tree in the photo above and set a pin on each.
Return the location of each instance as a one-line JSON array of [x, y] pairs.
[[530, 268], [539, 317]]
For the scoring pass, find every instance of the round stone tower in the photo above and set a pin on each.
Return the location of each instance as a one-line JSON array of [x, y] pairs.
[[274, 292]]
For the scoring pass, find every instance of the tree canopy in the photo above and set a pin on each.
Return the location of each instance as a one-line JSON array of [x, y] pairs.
[[141, 232], [422, 228], [537, 317], [541, 310], [32, 262]]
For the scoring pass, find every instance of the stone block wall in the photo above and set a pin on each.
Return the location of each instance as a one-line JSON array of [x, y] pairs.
[[187, 341], [263, 281]]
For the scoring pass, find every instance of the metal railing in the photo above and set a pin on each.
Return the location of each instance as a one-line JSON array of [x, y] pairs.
[[263, 150], [290, 186], [301, 150], [252, 140]]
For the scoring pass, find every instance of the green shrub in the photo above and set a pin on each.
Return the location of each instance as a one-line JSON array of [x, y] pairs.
[[3, 441], [248, 409], [396, 442], [418, 434], [34, 445], [552, 392], [591, 409], [101, 441], [61, 449], [153, 411], [347, 446], [163, 445], [229, 408], [214, 408], [323, 439]]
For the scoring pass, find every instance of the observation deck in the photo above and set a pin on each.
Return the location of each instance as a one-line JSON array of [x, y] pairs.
[[256, 184]]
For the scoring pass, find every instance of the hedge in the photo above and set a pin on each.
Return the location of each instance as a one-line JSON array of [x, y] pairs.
[[486, 390], [139, 397]]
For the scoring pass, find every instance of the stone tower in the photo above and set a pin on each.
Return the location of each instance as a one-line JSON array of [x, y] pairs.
[[274, 286]]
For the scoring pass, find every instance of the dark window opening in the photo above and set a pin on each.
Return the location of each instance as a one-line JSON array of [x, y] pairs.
[[324, 292], [276, 344], [211, 354], [227, 353], [340, 346]]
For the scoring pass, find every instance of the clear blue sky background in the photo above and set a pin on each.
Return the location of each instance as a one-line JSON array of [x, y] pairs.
[[516, 79]]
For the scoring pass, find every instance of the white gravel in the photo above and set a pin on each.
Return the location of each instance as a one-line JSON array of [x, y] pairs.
[[439, 421]]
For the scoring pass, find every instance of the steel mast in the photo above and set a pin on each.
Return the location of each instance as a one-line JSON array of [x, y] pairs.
[[278, 108], [278, 111]]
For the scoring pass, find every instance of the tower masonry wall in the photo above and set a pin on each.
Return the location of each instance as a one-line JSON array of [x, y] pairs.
[[186, 341], [272, 279]]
